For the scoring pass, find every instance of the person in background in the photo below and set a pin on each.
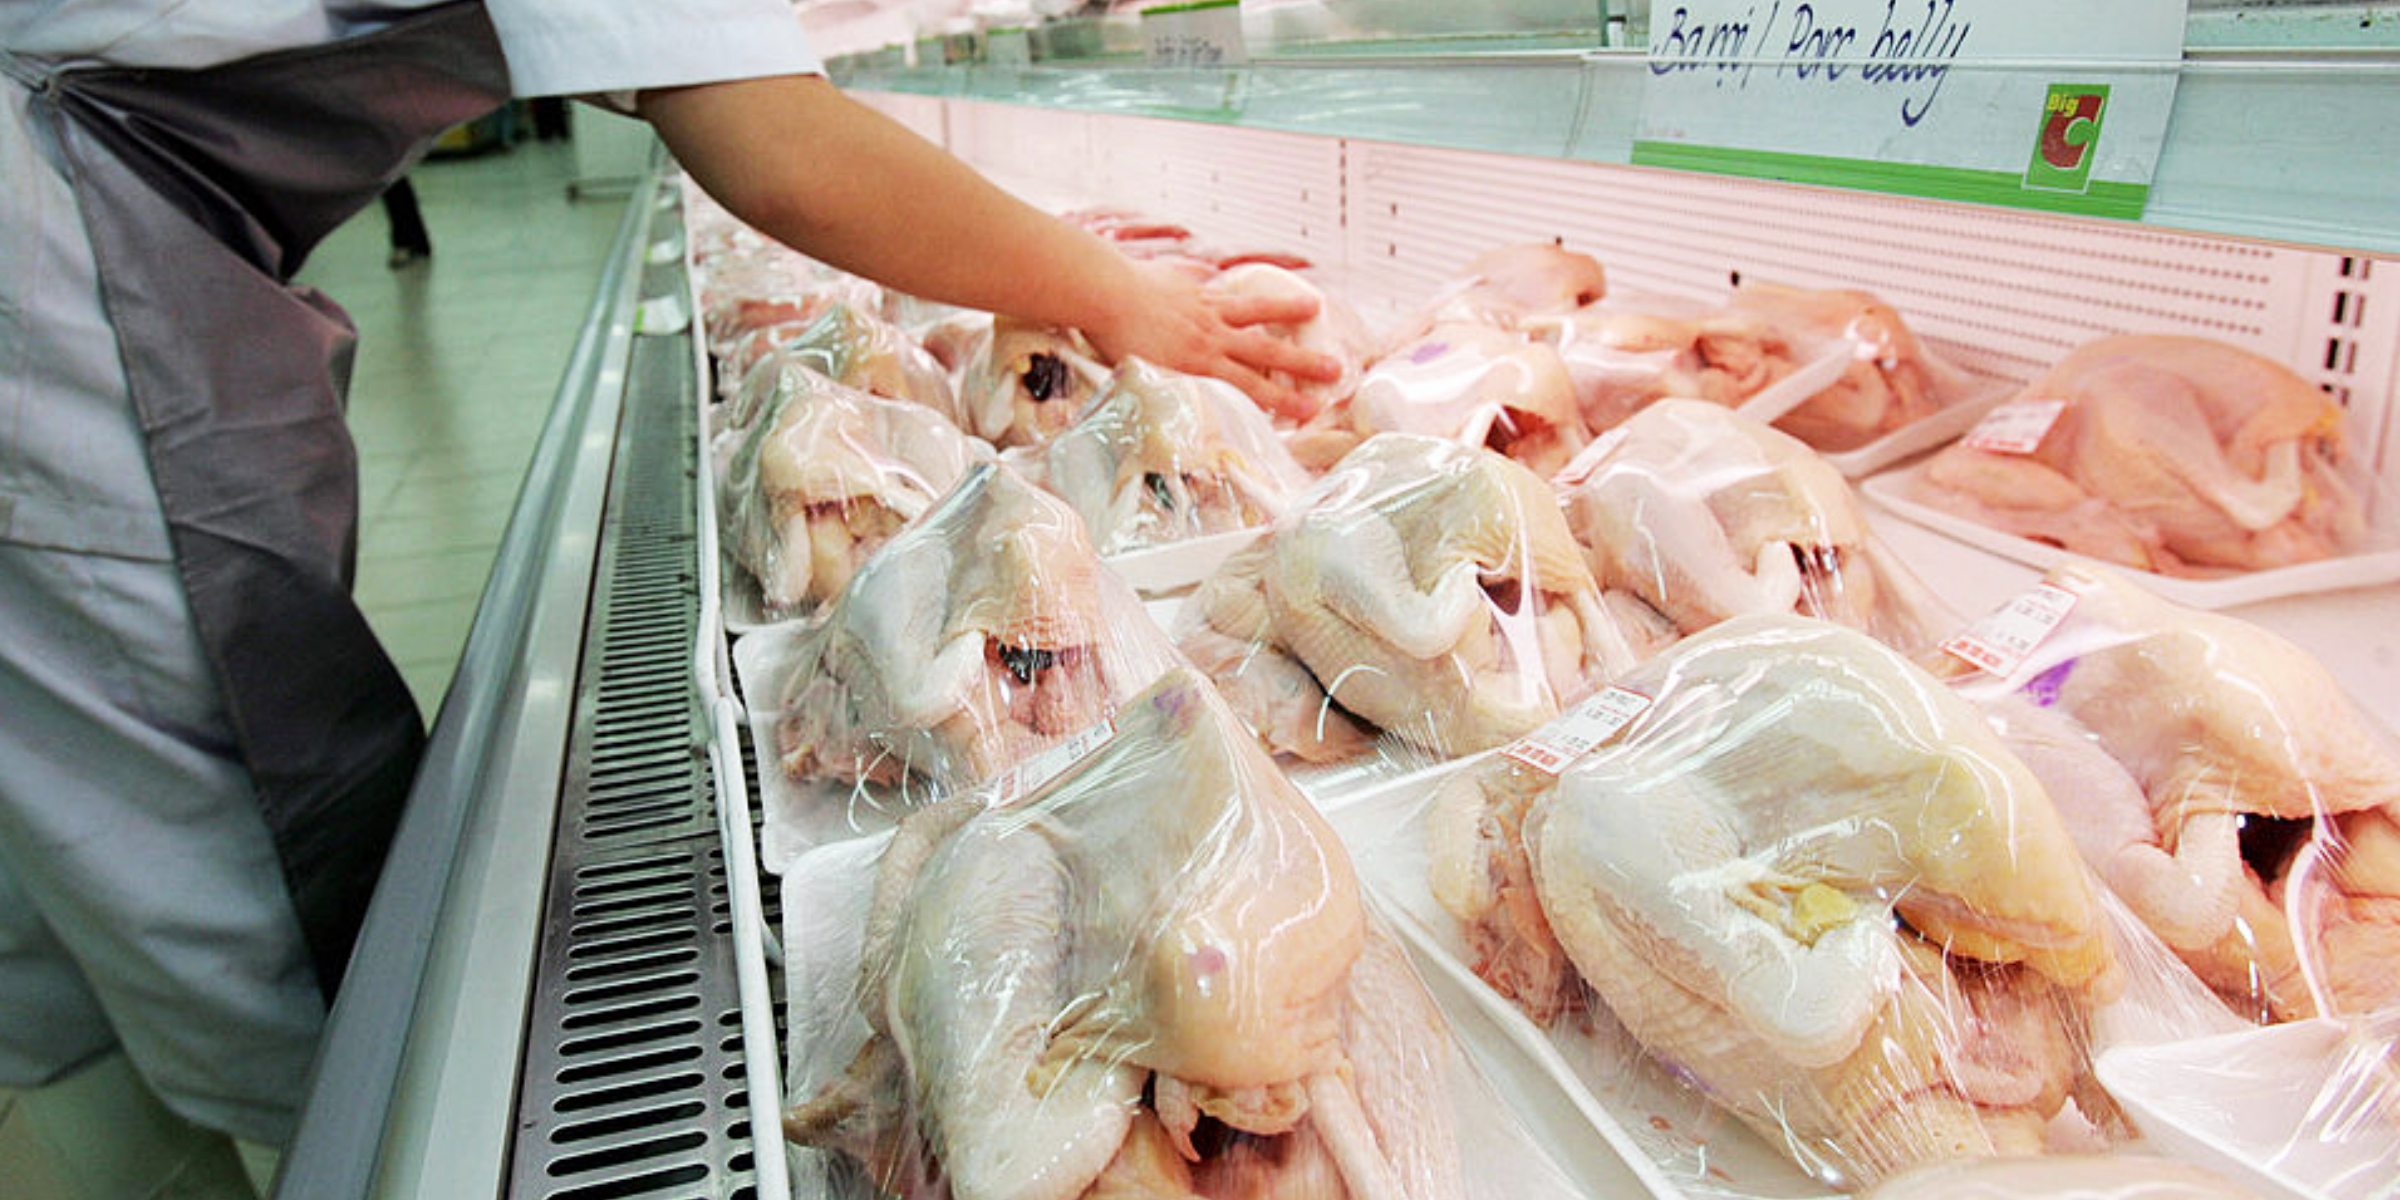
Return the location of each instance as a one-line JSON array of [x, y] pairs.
[[549, 118], [204, 751], [410, 242]]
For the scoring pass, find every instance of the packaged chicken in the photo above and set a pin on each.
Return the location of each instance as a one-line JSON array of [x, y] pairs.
[[1477, 385], [825, 476], [1335, 332], [1691, 513], [848, 346], [1030, 382], [2062, 1177], [2178, 455], [954, 336], [1782, 868], [983, 633], [1507, 288], [1161, 458], [1624, 354], [754, 282], [2216, 777], [1423, 588], [1155, 975], [1883, 379]]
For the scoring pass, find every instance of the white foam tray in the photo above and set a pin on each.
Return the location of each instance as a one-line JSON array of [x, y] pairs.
[[2255, 1106], [1942, 425], [1506, 1156], [2379, 564], [1668, 1141], [797, 815]]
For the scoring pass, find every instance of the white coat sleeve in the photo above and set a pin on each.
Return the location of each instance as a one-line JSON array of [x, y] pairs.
[[575, 47]]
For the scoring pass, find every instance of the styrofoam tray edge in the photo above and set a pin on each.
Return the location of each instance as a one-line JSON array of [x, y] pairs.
[[1889, 489]]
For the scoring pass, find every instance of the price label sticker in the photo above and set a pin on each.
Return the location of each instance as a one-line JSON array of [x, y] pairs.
[[2001, 642], [1555, 746], [1028, 777], [2016, 427]]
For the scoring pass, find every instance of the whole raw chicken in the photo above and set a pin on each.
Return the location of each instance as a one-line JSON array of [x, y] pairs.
[[1162, 456], [1059, 992], [1809, 879], [1429, 588], [984, 632], [1624, 355], [853, 349], [1508, 286], [2220, 780], [1891, 380], [1031, 382], [1479, 386], [826, 478], [2179, 455], [1703, 514]]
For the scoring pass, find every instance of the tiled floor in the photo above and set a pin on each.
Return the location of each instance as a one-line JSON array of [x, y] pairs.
[[459, 356], [458, 360]]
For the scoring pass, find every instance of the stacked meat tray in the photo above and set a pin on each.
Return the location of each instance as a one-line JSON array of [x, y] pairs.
[[1526, 769]]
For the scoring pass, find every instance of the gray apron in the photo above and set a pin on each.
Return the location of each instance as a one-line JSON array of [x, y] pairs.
[[202, 191]]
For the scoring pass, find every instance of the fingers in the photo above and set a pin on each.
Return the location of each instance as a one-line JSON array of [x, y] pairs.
[[1266, 353], [1241, 310], [1276, 397]]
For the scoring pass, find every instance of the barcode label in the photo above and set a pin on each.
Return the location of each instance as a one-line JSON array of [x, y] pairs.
[[2016, 427], [2000, 643], [1555, 746], [1026, 778]]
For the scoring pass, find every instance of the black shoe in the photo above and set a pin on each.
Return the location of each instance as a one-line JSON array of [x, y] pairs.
[[405, 255]]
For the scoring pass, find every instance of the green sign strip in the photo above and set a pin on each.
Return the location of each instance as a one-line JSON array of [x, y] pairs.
[[1196, 6], [2101, 198]]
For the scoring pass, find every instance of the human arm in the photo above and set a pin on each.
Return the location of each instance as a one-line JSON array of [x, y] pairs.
[[841, 183]]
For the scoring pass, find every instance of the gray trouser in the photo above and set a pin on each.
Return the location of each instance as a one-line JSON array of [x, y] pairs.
[[141, 901]]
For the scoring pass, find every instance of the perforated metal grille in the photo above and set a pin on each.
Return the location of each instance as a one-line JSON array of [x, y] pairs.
[[632, 1084]]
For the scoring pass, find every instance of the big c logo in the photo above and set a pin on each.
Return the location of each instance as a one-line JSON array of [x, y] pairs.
[[2068, 139]]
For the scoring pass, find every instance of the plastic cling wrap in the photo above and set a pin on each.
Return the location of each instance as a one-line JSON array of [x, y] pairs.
[[1803, 876], [1422, 587], [2217, 777], [1156, 976], [983, 633], [1162, 457], [1691, 513], [1624, 354], [849, 347], [2063, 1177], [1508, 287], [2178, 455], [1029, 383], [1892, 379], [1480, 386], [824, 477]]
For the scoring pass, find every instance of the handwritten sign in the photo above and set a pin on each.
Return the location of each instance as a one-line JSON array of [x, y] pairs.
[[2052, 104], [1205, 34]]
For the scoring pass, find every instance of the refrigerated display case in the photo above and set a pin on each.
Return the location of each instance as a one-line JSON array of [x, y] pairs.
[[567, 986]]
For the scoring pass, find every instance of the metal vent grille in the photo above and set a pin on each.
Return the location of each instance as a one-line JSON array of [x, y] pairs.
[[632, 1086]]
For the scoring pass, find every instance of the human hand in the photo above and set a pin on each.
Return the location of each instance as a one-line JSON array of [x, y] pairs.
[[1169, 321]]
